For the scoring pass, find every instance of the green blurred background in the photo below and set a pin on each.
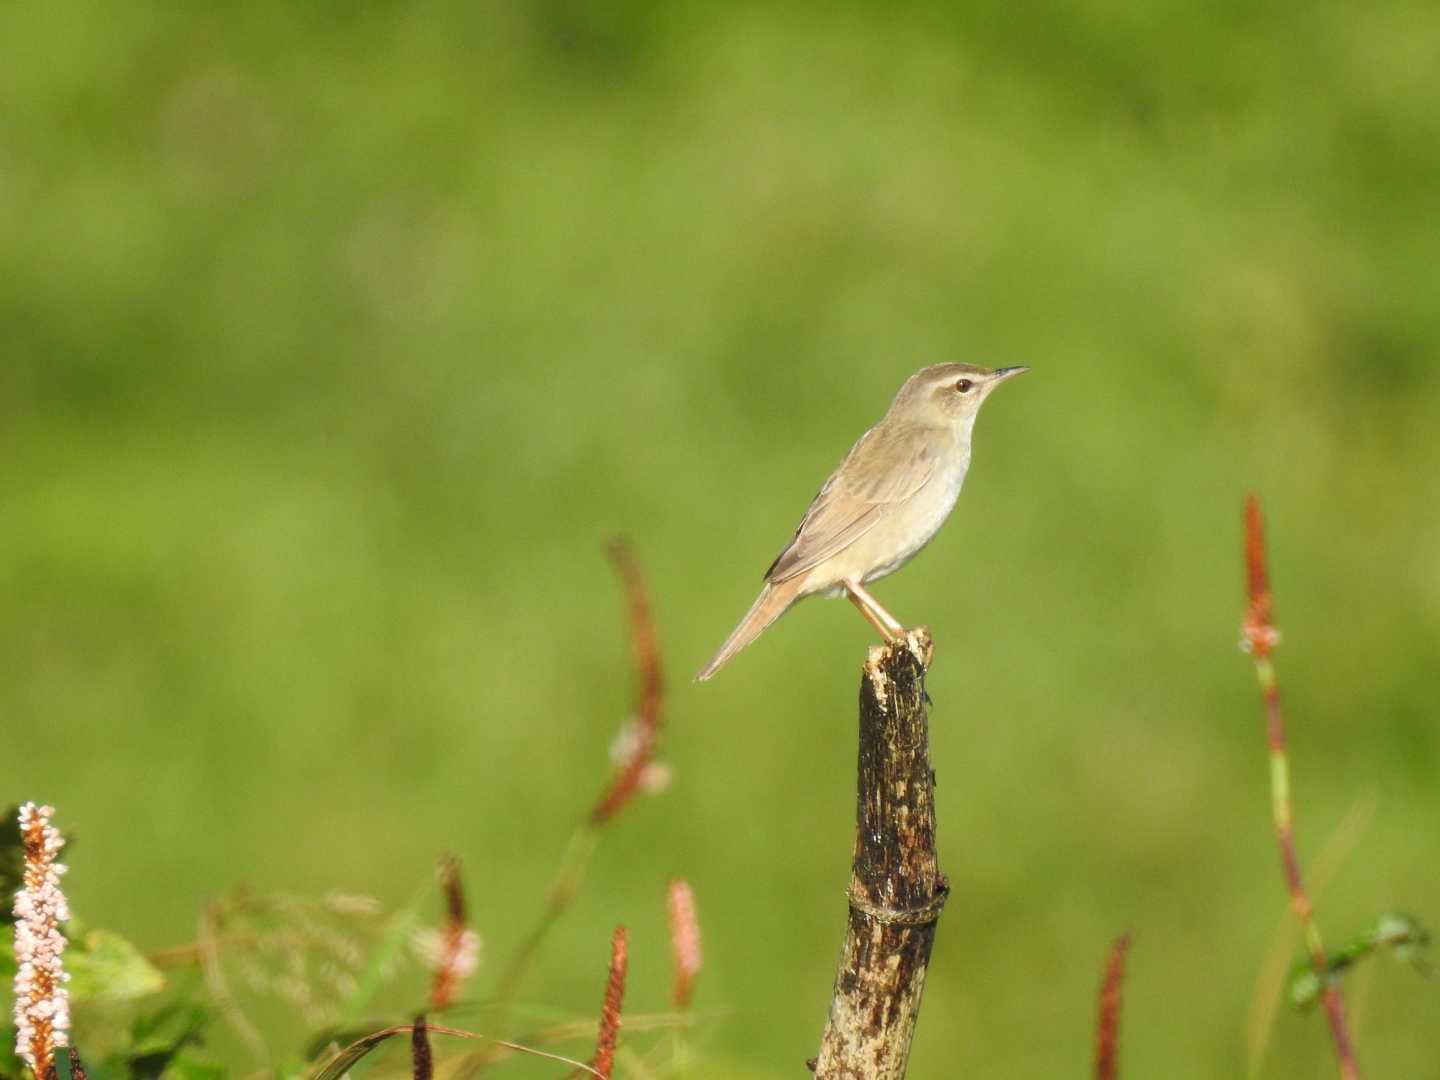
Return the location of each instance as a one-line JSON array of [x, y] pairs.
[[338, 337]]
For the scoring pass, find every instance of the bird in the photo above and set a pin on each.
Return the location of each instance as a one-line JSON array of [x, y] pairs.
[[884, 502]]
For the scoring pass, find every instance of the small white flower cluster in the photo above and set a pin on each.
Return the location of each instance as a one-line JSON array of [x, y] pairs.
[[629, 742], [464, 954], [632, 742], [443, 950], [42, 1007]]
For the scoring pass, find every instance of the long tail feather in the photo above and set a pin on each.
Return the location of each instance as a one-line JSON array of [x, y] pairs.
[[769, 606]]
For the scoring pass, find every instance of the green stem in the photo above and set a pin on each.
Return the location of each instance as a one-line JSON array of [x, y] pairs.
[[1283, 812], [573, 865]]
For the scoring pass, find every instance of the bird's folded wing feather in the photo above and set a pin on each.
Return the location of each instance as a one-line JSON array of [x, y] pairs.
[[887, 467]]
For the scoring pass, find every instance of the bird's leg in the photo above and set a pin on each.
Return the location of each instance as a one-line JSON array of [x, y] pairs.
[[889, 626], [889, 622], [870, 616]]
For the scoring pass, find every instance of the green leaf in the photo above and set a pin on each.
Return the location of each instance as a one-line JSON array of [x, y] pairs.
[[12, 860], [158, 1037], [1400, 934], [105, 966], [1305, 986], [189, 1064], [11, 1067]]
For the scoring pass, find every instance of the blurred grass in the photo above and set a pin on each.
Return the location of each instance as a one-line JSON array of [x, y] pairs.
[[338, 337]]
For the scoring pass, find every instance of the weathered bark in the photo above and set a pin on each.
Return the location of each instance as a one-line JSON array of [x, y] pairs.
[[896, 888]]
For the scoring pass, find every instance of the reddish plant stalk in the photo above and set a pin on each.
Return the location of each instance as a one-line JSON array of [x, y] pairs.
[[627, 782], [1261, 638], [459, 945], [1107, 1025], [604, 1061], [651, 685]]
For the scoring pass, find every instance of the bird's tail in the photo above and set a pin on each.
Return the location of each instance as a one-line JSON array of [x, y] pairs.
[[769, 606]]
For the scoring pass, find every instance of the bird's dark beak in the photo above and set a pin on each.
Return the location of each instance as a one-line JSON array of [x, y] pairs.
[[1001, 374]]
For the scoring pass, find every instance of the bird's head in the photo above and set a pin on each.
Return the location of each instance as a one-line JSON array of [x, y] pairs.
[[948, 394]]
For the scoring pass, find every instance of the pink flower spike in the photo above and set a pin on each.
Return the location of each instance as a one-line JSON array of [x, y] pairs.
[[42, 1007], [684, 940]]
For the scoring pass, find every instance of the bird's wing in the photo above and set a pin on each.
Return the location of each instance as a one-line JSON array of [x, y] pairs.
[[882, 471]]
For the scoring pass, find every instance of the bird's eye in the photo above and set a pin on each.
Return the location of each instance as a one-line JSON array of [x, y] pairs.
[[964, 386]]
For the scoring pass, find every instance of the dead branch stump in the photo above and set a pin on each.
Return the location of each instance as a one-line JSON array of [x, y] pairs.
[[896, 888]]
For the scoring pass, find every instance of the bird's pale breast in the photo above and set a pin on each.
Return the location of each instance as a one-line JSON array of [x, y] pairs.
[[896, 540]]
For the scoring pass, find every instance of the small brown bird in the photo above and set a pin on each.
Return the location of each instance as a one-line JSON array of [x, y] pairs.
[[884, 502]]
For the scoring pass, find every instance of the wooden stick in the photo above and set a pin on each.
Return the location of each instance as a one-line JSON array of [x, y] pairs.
[[896, 888]]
